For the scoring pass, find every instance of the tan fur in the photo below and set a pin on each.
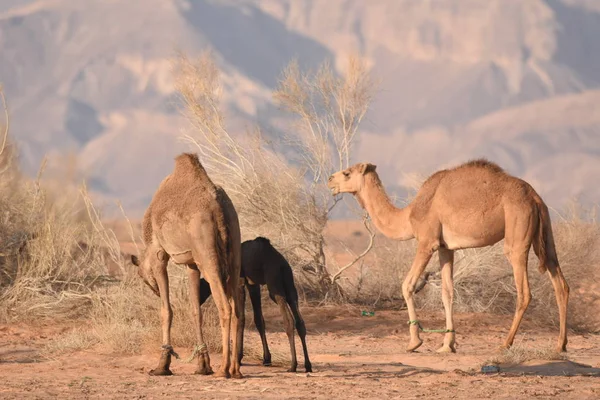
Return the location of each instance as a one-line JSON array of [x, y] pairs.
[[192, 221], [475, 204]]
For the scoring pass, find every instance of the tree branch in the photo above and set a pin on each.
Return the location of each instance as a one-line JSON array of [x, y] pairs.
[[5, 136], [336, 276]]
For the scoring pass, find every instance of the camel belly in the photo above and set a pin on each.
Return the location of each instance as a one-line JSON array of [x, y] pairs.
[[182, 258], [456, 240]]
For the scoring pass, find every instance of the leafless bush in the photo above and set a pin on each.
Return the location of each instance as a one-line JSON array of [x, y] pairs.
[[519, 353], [280, 193]]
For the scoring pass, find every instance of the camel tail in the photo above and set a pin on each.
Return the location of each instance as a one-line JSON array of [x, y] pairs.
[[543, 244]]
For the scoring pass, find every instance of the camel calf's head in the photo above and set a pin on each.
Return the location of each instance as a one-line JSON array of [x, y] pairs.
[[350, 180], [145, 271]]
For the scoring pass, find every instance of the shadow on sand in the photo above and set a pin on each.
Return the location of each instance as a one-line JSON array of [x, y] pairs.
[[550, 368]]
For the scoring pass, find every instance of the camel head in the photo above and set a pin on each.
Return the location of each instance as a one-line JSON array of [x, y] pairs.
[[350, 180], [144, 270]]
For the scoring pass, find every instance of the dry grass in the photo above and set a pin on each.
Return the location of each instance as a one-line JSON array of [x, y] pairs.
[[519, 354]]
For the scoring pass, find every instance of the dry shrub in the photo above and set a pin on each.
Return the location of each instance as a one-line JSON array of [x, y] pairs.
[[279, 187], [53, 257], [52, 252], [519, 353]]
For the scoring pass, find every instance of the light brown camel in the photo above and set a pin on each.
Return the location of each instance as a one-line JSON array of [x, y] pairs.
[[192, 221], [475, 204]]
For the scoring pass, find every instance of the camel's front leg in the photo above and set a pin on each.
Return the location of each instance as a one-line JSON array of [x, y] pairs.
[[166, 314], [447, 266], [200, 349], [408, 289]]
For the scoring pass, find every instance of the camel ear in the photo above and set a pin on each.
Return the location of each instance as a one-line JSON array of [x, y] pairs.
[[135, 261], [367, 167]]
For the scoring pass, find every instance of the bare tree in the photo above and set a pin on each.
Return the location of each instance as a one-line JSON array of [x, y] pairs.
[[280, 195]]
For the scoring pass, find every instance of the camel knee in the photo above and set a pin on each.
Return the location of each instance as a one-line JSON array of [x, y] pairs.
[[301, 328], [225, 314], [408, 288], [447, 295], [524, 300]]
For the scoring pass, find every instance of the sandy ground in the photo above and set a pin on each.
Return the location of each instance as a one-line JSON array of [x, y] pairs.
[[353, 357]]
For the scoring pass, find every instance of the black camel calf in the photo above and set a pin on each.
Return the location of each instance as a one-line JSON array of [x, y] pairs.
[[262, 264]]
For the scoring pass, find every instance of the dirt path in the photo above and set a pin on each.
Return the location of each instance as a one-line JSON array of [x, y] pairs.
[[353, 357]]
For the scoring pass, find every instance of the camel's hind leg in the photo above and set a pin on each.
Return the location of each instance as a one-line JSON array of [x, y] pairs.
[[259, 321], [212, 275], [196, 300], [301, 328], [518, 259], [447, 265], [520, 228], [288, 323], [242, 294], [237, 325], [561, 290], [291, 295]]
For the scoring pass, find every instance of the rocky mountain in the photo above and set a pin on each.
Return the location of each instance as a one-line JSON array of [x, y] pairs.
[[515, 81]]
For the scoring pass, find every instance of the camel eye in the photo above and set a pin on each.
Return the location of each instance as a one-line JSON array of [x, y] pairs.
[[346, 174]]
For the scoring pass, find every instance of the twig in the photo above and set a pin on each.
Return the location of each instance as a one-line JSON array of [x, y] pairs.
[[5, 136], [130, 227], [361, 255]]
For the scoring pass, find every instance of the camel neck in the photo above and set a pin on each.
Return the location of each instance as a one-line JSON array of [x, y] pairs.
[[391, 221]]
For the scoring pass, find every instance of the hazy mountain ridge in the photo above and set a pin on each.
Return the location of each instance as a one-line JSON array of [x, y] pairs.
[[514, 81]]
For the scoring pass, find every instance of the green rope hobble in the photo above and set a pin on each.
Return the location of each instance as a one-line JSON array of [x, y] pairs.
[[416, 322], [198, 349]]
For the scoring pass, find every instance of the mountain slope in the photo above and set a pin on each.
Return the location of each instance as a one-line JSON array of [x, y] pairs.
[[514, 81]]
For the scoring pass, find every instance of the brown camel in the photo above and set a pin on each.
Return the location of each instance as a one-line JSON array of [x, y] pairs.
[[262, 264], [192, 221], [475, 204]]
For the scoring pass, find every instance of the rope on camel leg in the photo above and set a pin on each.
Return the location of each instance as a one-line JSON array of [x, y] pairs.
[[198, 349], [169, 349], [416, 322]]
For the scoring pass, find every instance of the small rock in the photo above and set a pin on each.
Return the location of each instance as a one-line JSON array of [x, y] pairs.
[[490, 369]]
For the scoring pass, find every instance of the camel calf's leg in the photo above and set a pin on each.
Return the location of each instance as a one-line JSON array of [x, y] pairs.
[[447, 266], [301, 328], [408, 288], [288, 322], [196, 300], [259, 321], [166, 314]]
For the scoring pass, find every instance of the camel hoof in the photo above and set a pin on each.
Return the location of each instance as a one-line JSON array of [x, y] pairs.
[[308, 368], [160, 372], [237, 375], [413, 346], [292, 369], [561, 349], [267, 363], [502, 349], [204, 371], [222, 374], [446, 349]]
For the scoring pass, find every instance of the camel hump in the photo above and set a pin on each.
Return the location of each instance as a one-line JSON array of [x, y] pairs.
[[482, 163], [187, 165]]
